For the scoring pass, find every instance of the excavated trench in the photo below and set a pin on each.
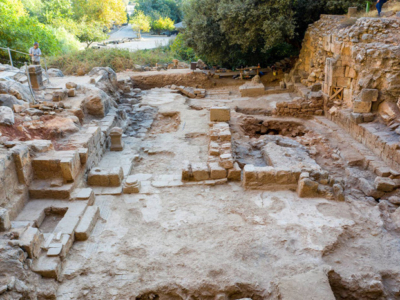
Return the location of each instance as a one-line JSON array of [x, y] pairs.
[[249, 141], [254, 127]]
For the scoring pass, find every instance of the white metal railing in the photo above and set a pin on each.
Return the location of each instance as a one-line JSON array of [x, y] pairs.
[[26, 69], [12, 64]]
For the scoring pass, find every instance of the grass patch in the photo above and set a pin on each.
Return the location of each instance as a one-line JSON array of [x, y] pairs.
[[81, 62]]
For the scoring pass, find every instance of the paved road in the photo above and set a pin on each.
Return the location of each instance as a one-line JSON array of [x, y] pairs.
[[147, 42]]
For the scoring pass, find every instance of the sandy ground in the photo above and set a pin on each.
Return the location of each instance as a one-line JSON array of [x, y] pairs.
[[217, 242]]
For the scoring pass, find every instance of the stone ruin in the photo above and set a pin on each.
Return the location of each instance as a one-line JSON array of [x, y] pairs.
[[181, 186]]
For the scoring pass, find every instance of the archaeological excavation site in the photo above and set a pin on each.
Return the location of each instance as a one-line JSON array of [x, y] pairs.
[[190, 184]]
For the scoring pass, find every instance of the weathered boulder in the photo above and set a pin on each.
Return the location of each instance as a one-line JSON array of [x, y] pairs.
[[106, 79], [55, 73], [19, 91], [6, 116], [96, 105], [9, 100], [97, 102]]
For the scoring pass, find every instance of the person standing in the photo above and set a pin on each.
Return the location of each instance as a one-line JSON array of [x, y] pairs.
[[379, 5], [35, 53]]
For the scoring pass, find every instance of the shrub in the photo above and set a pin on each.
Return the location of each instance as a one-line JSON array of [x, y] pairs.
[[117, 59]]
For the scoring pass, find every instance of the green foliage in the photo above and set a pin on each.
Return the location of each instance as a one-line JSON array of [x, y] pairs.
[[247, 32], [19, 31], [179, 48], [237, 32], [140, 22], [89, 32], [161, 8], [162, 24], [117, 59]]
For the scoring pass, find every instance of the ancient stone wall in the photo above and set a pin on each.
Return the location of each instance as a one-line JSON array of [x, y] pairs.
[[357, 64]]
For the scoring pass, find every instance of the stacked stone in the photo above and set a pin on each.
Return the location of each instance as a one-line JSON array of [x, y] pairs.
[[189, 91], [220, 163], [301, 107]]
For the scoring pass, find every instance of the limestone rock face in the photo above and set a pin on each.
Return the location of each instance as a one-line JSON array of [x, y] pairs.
[[9, 100], [6, 116]]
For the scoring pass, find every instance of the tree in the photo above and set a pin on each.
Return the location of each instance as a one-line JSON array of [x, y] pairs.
[[245, 32], [19, 31], [162, 24], [105, 12], [90, 32], [161, 9], [140, 22]]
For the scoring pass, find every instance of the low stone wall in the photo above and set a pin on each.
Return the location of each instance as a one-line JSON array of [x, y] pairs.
[[270, 178], [220, 164], [376, 137]]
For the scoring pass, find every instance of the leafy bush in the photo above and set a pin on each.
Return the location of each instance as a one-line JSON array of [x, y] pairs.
[[19, 31], [117, 59], [162, 24], [181, 50]]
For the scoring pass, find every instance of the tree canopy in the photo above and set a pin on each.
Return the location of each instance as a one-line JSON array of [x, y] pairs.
[[157, 9], [162, 24], [140, 22], [247, 32]]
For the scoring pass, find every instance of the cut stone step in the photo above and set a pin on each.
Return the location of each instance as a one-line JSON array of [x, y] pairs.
[[87, 223], [48, 267]]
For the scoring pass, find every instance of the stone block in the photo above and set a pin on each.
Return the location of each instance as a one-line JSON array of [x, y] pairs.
[[384, 184], [226, 161], [338, 192], [235, 173], [316, 87], [106, 177], [71, 85], [357, 118], [71, 93], [200, 171], [86, 194], [55, 249], [382, 171], [187, 171], [30, 242], [307, 188], [216, 171], [252, 90], [5, 223], [220, 114], [369, 95], [87, 223], [368, 189], [312, 285], [22, 160], [60, 95], [116, 139], [361, 106], [249, 175], [131, 185], [266, 175], [83, 155], [48, 267]]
